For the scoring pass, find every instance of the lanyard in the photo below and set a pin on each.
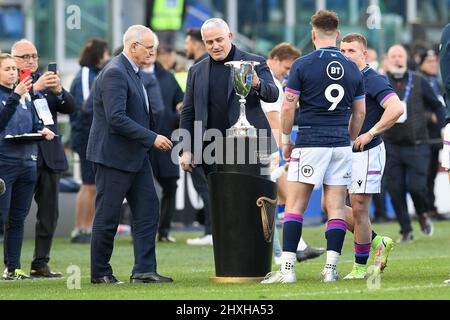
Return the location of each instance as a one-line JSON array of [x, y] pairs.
[[408, 86]]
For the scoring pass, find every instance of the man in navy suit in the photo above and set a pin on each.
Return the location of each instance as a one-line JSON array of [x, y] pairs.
[[209, 96], [119, 143]]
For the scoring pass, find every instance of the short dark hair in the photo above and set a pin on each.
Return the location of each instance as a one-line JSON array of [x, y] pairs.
[[164, 49], [195, 34], [325, 21], [92, 52], [284, 51], [355, 37]]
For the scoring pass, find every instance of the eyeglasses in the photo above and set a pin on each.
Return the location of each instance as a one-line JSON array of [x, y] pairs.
[[28, 57], [149, 48]]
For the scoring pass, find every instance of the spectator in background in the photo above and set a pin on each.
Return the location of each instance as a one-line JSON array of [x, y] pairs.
[[167, 57], [166, 19], [93, 57], [48, 92], [372, 59], [407, 149], [429, 68], [165, 171], [384, 66], [17, 161], [418, 48], [194, 46]]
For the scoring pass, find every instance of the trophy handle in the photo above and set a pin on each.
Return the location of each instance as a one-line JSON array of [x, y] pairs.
[[267, 205]]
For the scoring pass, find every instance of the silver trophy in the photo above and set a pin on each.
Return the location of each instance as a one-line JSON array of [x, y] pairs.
[[242, 73]]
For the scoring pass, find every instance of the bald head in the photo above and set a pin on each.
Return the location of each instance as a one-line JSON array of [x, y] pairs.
[[397, 50], [397, 59], [25, 54]]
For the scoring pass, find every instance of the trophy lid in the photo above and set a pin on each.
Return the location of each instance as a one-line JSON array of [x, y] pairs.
[[238, 64]]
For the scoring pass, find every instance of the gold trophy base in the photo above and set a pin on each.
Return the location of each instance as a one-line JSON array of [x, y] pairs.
[[235, 279]]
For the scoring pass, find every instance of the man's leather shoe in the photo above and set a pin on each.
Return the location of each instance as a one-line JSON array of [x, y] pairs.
[[45, 272], [149, 277], [106, 280], [309, 253], [168, 239]]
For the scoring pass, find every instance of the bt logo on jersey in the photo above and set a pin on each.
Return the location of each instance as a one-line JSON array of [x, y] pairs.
[[335, 70]]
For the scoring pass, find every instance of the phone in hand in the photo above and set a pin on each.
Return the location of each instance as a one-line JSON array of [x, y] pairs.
[[52, 67], [23, 73]]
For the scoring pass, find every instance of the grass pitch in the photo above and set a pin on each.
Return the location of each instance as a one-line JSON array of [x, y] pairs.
[[415, 271]]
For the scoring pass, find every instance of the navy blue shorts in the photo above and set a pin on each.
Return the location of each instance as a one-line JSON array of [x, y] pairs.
[[87, 167]]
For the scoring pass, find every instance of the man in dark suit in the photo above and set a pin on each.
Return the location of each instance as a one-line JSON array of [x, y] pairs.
[[210, 97], [52, 160], [119, 145]]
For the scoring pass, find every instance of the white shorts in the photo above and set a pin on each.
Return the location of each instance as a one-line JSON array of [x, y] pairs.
[[446, 149], [317, 166], [367, 170]]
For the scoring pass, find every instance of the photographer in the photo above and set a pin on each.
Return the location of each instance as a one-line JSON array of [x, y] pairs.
[[48, 94]]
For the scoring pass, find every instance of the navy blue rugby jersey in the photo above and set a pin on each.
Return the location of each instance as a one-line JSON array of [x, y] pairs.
[[378, 90], [327, 83]]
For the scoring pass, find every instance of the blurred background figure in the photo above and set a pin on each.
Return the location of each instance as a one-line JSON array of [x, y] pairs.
[[372, 59], [165, 170], [166, 18], [167, 57], [429, 68], [93, 57], [407, 148]]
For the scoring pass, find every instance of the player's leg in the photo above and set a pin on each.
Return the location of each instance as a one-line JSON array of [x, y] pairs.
[[336, 180], [362, 234], [304, 251], [299, 188], [367, 174], [334, 199], [298, 195]]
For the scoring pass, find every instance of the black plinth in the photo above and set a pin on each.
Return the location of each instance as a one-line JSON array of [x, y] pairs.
[[243, 213]]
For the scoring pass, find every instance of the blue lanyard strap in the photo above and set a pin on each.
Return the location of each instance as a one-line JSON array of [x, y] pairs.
[[408, 86], [40, 95]]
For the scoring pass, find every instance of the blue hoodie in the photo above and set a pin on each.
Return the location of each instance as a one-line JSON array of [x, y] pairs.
[[15, 119]]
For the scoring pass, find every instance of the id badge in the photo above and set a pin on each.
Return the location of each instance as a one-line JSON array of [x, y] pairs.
[[404, 116], [43, 111]]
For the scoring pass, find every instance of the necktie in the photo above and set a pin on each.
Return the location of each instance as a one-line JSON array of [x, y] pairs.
[[139, 75]]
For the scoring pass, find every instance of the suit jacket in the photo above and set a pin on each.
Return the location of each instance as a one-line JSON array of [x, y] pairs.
[[155, 99], [121, 134], [445, 67], [52, 152], [197, 92]]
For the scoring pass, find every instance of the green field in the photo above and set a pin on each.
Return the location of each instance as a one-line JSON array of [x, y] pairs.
[[415, 271]]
